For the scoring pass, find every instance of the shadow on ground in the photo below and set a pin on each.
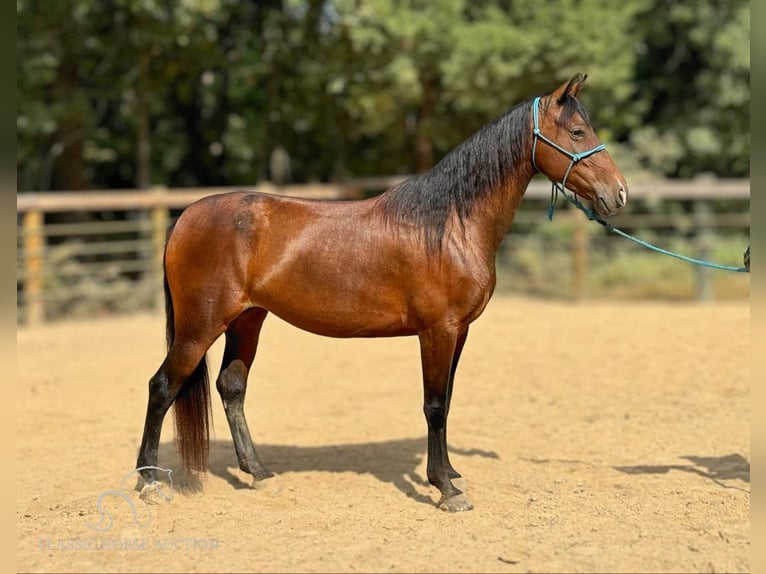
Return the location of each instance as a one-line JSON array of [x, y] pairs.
[[716, 468], [392, 462]]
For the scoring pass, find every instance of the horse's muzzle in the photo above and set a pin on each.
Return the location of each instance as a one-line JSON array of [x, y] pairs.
[[609, 202]]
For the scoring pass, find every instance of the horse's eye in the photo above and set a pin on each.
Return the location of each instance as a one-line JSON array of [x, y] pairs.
[[577, 133]]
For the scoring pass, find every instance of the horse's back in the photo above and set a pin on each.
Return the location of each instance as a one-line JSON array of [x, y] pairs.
[[246, 221]]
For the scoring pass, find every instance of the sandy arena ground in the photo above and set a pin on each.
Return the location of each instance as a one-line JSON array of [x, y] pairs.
[[596, 437]]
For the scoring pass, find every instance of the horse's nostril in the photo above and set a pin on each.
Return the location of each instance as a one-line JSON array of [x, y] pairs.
[[622, 197]]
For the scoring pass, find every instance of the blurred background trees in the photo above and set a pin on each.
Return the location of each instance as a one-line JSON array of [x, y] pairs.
[[130, 93]]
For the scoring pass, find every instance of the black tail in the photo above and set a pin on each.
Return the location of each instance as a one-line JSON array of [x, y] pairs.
[[192, 404]]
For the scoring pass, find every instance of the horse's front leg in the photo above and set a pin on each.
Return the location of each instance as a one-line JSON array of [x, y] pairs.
[[462, 336], [437, 349]]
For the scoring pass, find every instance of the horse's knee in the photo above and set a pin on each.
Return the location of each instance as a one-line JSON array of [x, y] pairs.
[[435, 411]]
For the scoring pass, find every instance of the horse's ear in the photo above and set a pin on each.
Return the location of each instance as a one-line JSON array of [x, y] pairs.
[[570, 88]]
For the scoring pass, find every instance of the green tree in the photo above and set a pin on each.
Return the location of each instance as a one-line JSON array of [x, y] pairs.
[[126, 93], [694, 78]]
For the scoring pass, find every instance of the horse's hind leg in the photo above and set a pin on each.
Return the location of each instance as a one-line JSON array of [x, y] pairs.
[[182, 361], [241, 344]]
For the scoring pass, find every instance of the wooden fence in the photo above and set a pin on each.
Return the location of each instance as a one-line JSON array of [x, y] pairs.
[[141, 237]]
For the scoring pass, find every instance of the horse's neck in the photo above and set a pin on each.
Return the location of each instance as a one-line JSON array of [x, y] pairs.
[[493, 214]]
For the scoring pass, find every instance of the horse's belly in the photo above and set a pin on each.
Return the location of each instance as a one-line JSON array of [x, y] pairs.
[[343, 321], [344, 306]]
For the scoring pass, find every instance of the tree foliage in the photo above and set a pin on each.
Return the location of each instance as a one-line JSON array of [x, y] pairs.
[[123, 93]]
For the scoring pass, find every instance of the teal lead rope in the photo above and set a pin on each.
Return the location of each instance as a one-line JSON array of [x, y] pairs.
[[593, 216], [554, 197]]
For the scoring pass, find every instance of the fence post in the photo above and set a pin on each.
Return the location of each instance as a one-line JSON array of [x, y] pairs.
[[579, 258], [160, 219], [33, 242], [704, 243]]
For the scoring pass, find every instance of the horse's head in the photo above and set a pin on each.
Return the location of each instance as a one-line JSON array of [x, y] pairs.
[[566, 149]]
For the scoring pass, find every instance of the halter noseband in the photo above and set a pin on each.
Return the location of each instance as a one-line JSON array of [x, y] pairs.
[[574, 157]]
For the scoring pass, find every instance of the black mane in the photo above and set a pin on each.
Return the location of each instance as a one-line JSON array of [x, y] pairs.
[[465, 174]]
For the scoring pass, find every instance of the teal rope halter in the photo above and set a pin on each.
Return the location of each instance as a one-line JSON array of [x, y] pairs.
[[574, 157], [557, 187]]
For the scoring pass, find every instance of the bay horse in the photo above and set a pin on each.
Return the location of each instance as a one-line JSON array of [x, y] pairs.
[[418, 259]]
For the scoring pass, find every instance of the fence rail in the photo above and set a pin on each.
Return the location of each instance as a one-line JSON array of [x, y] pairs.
[[134, 246]]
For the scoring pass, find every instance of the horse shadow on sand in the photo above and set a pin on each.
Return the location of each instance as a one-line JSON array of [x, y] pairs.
[[393, 462], [716, 468]]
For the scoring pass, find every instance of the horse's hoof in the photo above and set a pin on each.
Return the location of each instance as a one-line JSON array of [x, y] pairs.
[[261, 474], [153, 493], [455, 503], [271, 486]]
